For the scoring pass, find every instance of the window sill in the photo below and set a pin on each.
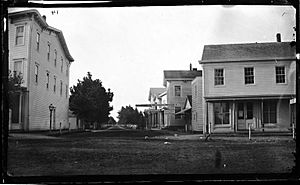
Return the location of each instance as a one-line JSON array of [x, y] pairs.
[[222, 126]]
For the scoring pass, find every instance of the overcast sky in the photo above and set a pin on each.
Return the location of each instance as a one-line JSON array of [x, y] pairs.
[[128, 48]]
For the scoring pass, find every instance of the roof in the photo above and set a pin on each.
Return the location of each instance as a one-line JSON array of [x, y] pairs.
[[248, 51], [180, 75], [44, 25], [156, 91]]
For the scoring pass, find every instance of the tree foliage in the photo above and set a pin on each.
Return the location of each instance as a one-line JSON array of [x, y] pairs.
[[14, 87], [89, 100], [128, 115]]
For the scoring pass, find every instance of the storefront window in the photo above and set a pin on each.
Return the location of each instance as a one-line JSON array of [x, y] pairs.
[[221, 113]]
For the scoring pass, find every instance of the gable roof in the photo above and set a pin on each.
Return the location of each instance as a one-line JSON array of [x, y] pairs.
[[155, 91], [44, 25], [180, 74], [248, 51]]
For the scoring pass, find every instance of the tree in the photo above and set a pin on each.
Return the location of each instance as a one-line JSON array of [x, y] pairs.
[[128, 115], [89, 100], [14, 87]]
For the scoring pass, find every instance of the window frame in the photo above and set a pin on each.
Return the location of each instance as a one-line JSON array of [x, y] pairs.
[[36, 73], [47, 80], [17, 36], [176, 92], [249, 76], [61, 87], [280, 75], [220, 78], [48, 51], [54, 84], [38, 39], [223, 113]]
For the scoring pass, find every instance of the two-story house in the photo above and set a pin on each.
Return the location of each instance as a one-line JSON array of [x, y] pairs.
[[248, 84], [40, 54], [155, 114], [178, 85]]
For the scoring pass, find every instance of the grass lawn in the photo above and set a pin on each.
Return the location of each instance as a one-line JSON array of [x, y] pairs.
[[127, 152]]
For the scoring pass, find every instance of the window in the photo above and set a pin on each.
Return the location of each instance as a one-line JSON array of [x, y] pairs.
[[62, 65], [36, 73], [221, 113], [177, 109], [54, 84], [55, 57], [66, 91], [219, 76], [37, 41], [177, 90], [61, 86], [48, 52], [67, 70], [18, 67], [269, 111], [47, 83], [20, 35], [195, 90], [249, 75], [280, 74]]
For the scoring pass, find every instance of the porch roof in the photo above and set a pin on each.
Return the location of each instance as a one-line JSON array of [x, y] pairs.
[[183, 111], [262, 97]]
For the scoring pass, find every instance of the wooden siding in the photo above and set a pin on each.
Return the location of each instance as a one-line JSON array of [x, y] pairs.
[[197, 105], [177, 101], [264, 79], [39, 96]]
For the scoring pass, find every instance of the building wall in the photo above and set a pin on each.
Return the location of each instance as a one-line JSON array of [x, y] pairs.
[[40, 97], [177, 101], [264, 79], [197, 105]]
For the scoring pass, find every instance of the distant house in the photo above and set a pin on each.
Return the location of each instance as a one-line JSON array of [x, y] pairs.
[[155, 114], [40, 54], [249, 85], [178, 85]]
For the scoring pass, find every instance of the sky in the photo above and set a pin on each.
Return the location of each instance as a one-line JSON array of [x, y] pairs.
[[128, 48]]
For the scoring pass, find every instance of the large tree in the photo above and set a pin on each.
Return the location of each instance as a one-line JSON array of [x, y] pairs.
[[89, 100], [128, 115]]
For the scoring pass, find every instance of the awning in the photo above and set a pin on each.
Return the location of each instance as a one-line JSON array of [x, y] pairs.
[[183, 111]]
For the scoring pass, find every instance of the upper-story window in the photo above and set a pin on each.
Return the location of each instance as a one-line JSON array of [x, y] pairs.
[[36, 73], [55, 58], [280, 74], [61, 86], [66, 91], [67, 70], [48, 51], [62, 65], [219, 76], [38, 41], [249, 75], [196, 90], [177, 89], [48, 78], [54, 84], [20, 35]]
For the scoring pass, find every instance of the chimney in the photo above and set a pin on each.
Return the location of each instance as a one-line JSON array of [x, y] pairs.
[[44, 17], [190, 66], [278, 37]]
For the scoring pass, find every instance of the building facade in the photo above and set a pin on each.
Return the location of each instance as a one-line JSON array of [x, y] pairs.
[[248, 85], [197, 116], [178, 85], [40, 54], [155, 114]]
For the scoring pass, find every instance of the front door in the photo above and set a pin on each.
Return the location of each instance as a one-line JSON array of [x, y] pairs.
[[244, 115]]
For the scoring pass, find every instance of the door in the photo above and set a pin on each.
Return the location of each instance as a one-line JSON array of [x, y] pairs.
[[244, 115]]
